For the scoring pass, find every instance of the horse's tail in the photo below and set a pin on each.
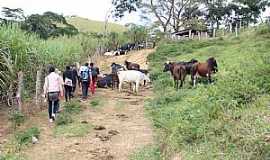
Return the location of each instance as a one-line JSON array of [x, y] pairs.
[[182, 73]]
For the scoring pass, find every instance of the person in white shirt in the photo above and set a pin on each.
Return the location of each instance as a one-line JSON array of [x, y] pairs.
[[53, 88]]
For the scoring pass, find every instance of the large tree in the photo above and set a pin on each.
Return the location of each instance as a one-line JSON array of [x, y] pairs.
[[48, 25]]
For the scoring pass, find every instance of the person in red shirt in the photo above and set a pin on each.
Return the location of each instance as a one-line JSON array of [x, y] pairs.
[[95, 73]]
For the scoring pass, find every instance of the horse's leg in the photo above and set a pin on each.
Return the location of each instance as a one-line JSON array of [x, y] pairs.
[[137, 87], [193, 79], [120, 86], [209, 78]]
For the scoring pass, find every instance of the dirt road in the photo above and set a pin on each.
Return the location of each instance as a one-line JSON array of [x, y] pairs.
[[123, 127]]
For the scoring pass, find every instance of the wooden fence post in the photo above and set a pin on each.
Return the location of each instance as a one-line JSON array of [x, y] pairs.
[[189, 35], [38, 86], [236, 30], [19, 91]]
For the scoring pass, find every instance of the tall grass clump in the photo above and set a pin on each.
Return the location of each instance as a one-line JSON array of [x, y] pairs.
[[25, 137], [228, 119], [29, 53]]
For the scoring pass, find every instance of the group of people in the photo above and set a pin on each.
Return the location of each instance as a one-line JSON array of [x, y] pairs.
[[57, 86]]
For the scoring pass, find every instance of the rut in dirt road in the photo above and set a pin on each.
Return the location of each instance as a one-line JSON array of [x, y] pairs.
[[119, 128]]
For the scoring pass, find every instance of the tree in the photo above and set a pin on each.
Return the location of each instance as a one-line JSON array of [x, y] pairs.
[[48, 25], [16, 14], [136, 33], [216, 10], [123, 6], [251, 9]]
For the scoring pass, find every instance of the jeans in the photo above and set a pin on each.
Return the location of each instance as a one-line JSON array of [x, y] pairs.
[[85, 86], [53, 107], [68, 90]]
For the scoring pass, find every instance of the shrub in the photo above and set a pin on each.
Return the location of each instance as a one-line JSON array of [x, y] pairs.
[[25, 137], [17, 118], [63, 119], [263, 29]]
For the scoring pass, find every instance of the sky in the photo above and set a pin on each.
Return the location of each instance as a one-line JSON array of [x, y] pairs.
[[91, 9]]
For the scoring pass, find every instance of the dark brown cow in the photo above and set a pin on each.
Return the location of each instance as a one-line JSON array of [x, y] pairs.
[[132, 66], [178, 72], [204, 70]]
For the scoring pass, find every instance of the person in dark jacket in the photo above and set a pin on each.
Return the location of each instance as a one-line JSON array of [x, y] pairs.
[[68, 82], [75, 79]]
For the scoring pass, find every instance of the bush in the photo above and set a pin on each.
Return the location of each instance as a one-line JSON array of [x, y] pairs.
[[63, 119], [17, 118], [263, 29], [25, 137]]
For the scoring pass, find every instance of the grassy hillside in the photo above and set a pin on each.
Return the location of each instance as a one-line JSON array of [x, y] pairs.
[[86, 25], [229, 119]]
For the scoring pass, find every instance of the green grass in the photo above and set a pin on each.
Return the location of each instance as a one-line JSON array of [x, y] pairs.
[[225, 120], [11, 157], [72, 130], [146, 153], [86, 25], [67, 123], [97, 102]]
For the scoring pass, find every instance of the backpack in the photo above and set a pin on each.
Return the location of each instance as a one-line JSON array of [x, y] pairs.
[[85, 75]]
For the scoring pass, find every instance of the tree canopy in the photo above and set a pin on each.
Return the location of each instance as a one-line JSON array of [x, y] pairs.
[[176, 14], [49, 24]]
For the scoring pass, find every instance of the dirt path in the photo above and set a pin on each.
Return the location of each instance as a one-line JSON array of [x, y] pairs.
[[122, 115]]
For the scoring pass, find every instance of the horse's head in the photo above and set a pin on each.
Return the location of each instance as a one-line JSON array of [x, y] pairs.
[[126, 63], [213, 63], [113, 64], [193, 61], [167, 66]]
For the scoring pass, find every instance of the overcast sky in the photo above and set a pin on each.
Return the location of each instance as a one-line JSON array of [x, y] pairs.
[[92, 9]]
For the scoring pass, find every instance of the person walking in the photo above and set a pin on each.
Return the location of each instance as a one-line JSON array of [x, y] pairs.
[[86, 79], [52, 90], [68, 82], [57, 71], [75, 79], [95, 73]]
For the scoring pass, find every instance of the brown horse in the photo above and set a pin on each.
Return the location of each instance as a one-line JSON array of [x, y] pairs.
[[178, 72], [132, 66], [204, 70]]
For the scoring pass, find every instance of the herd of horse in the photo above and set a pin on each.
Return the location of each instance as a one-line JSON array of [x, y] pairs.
[[125, 48], [129, 72], [132, 73], [179, 70]]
